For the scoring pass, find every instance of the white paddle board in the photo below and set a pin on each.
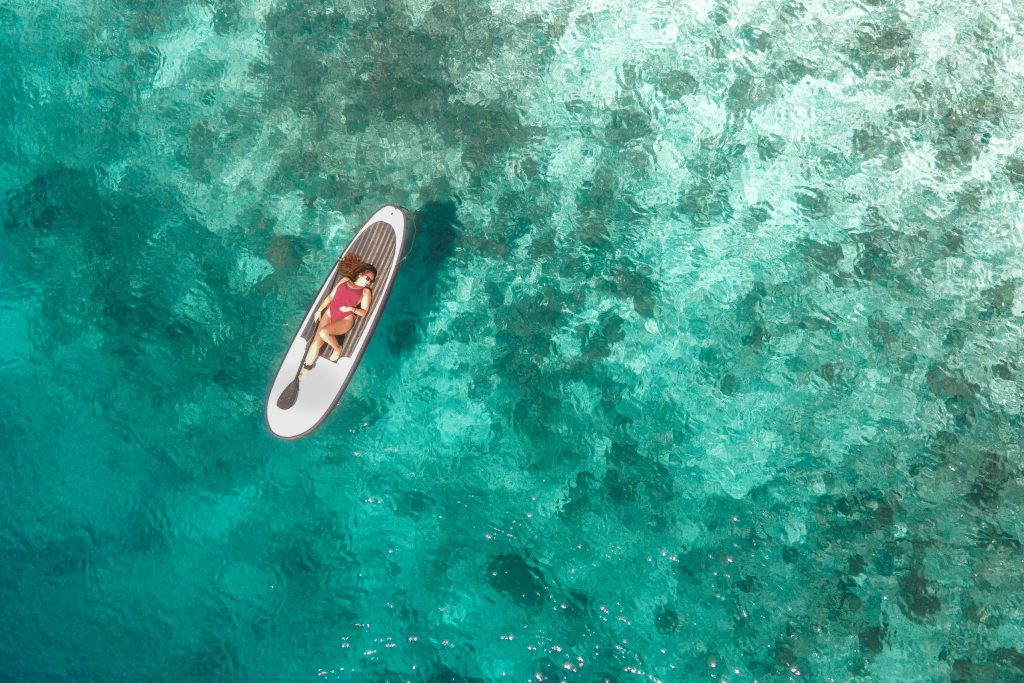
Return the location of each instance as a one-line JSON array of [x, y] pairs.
[[380, 243]]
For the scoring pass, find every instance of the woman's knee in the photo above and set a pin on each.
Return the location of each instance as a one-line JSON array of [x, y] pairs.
[[324, 334]]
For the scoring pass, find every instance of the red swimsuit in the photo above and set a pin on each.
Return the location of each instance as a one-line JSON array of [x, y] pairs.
[[345, 296]]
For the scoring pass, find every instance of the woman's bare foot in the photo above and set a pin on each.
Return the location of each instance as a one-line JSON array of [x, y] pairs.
[[335, 356]]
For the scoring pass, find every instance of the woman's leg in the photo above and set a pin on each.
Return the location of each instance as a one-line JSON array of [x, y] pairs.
[[317, 343], [328, 332]]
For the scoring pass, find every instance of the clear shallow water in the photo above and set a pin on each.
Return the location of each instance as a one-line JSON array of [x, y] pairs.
[[705, 363]]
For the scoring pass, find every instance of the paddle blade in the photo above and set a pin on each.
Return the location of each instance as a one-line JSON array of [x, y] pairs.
[[290, 394]]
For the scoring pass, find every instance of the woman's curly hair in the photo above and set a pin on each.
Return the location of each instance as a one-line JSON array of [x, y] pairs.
[[352, 265]]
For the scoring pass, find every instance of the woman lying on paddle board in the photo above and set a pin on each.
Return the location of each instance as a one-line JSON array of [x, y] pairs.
[[350, 298]]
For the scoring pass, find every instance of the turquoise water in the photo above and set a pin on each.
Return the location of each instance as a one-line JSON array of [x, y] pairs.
[[705, 363]]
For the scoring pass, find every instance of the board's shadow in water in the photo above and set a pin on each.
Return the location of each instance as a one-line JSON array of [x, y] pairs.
[[415, 294]]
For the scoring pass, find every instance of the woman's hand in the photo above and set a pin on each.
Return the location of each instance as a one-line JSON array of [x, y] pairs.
[[316, 318]]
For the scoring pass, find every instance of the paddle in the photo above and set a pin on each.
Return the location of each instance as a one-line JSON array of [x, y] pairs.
[[290, 394]]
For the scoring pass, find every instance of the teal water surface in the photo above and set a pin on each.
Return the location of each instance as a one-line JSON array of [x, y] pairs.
[[705, 363]]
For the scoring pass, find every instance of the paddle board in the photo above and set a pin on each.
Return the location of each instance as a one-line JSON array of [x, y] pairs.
[[381, 243]]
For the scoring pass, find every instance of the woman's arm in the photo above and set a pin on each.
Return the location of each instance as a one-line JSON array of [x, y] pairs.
[[364, 305]]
